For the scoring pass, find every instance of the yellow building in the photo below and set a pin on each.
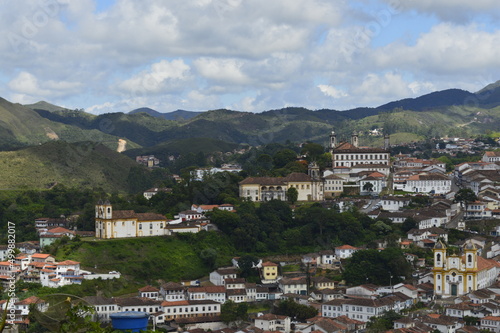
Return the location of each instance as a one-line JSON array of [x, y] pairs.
[[127, 223], [309, 187], [269, 272], [459, 274]]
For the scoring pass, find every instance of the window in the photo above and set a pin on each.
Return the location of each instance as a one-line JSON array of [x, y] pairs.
[[140, 226]]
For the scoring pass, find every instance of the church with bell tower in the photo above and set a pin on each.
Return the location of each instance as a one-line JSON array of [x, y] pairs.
[[456, 274]]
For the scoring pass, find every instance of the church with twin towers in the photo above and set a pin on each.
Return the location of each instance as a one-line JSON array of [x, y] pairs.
[[352, 168]]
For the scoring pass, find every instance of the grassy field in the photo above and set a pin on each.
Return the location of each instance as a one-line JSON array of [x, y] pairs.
[[147, 259]]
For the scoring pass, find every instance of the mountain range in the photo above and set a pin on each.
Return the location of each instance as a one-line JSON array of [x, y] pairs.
[[448, 112], [26, 129]]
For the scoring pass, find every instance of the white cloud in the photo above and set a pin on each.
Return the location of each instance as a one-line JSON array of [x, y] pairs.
[[26, 87], [162, 77], [222, 70], [376, 89], [254, 55], [331, 91], [446, 49]]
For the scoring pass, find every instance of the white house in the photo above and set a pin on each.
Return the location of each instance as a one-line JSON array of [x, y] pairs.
[[345, 251], [491, 323], [219, 276], [272, 322], [189, 309], [212, 293], [428, 183], [296, 285], [359, 308]]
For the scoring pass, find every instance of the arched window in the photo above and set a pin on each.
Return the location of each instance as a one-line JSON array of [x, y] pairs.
[[469, 258], [438, 257]]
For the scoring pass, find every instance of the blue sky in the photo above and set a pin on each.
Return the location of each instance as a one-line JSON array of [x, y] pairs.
[[118, 55]]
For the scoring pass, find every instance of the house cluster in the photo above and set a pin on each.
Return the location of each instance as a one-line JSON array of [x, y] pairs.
[[42, 268], [52, 229], [355, 170], [149, 161], [460, 145], [420, 175], [111, 223], [201, 173], [21, 309], [483, 178], [149, 193], [437, 214]]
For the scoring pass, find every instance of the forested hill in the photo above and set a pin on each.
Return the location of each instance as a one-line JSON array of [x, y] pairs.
[[449, 112]]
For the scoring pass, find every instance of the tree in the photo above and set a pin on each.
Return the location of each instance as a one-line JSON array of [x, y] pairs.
[[233, 313], [312, 150], [408, 224], [209, 257], [283, 157], [465, 196], [368, 187], [377, 267], [295, 310], [384, 322], [292, 194], [247, 265]]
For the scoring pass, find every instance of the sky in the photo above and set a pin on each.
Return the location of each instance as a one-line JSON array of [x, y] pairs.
[[246, 55]]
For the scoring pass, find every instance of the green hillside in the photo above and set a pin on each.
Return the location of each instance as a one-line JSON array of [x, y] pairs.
[[171, 258], [21, 126], [451, 112], [184, 146], [84, 164]]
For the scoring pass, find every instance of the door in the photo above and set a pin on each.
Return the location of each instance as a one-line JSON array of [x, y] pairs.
[[454, 290]]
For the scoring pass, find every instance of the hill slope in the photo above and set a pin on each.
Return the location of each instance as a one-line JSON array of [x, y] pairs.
[[22, 126], [174, 115], [84, 164], [449, 112], [179, 256]]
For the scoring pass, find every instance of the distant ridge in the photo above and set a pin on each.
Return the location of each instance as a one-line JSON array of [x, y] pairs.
[[174, 115], [430, 101], [46, 106]]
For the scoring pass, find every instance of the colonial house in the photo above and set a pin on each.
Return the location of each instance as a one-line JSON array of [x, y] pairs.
[[189, 309], [456, 275], [393, 204], [127, 223], [148, 194], [361, 309], [269, 272], [309, 186], [333, 185], [297, 285], [491, 156], [50, 236], [321, 282], [149, 292], [212, 293], [350, 155], [273, 323], [103, 307], [428, 183], [219, 276], [345, 251], [491, 323], [172, 291]]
